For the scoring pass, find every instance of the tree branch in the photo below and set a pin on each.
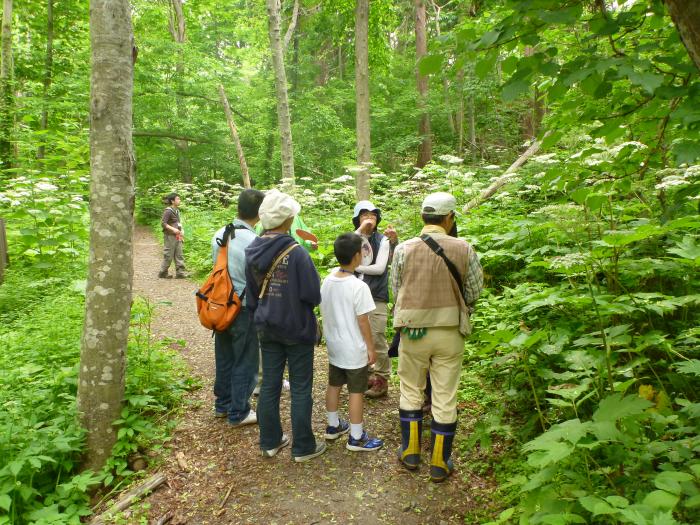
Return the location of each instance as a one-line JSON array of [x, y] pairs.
[[169, 135], [292, 24]]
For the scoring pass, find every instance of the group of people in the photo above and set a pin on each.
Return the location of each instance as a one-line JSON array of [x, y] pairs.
[[435, 278]]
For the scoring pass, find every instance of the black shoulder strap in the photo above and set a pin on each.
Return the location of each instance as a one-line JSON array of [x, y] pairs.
[[229, 233], [432, 243]]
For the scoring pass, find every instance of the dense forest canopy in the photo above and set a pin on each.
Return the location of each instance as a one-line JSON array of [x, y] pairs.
[[580, 387]]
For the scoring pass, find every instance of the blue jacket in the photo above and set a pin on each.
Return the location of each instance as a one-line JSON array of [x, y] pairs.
[[285, 313]]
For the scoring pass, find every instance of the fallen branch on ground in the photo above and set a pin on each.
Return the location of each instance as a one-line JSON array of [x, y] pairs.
[[129, 497], [506, 177]]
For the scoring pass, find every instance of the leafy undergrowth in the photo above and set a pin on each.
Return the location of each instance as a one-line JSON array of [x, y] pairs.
[[585, 348], [40, 439]]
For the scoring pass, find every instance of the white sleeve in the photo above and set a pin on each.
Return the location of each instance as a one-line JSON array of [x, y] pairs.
[[362, 299], [379, 266]]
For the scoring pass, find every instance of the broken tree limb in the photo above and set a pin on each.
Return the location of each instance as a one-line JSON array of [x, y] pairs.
[[234, 136], [506, 177], [292, 24], [129, 497]]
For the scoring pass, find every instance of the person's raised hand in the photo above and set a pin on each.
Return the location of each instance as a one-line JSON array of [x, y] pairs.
[[391, 234]]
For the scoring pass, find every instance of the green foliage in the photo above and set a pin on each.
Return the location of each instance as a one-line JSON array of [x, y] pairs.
[[40, 440]]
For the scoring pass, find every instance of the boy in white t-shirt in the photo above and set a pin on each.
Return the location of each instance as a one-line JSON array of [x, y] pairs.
[[346, 303]]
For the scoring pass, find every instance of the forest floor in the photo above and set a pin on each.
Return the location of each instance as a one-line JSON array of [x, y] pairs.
[[206, 460]]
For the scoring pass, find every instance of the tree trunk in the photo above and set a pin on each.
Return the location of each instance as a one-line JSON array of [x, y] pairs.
[[459, 117], [445, 83], [425, 149], [362, 98], [532, 120], [6, 96], [48, 73], [110, 270], [234, 136], [178, 29], [686, 17], [283, 119]]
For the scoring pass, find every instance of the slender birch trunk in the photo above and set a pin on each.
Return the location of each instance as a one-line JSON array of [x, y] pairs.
[[234, 136], [110, 271], [425, 150], [7, 120], [283, 118], [178, 28], [48, 75], [362, 98]]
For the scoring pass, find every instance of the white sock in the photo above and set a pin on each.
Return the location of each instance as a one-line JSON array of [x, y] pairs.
[[333, 420], [356, 430]]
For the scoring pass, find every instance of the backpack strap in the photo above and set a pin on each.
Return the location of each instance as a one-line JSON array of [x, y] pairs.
[[273, 267], [229, 233], [433, 244]]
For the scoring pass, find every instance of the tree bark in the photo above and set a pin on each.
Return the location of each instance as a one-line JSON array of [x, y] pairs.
[[425, 152], [283, 118], [110, 269], [234, 136], [362, 98], [292, 24], [686, 16], [48, 74], [459, 117], [178, 28], [7, 120]]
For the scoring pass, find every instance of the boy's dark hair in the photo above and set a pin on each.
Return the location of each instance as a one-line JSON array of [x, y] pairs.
[[249, 203], [170, 197], [346, 246]]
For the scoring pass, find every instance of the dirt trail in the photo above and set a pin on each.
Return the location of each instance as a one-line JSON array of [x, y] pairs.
[[338, 487]]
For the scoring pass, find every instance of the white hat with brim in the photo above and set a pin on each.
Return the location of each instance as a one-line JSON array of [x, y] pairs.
[[276, 208], [440, 203]]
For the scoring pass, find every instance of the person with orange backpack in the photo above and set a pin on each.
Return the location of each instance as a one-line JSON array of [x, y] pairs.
[[236, 348]]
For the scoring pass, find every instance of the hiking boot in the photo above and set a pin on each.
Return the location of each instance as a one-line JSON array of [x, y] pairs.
[[379, 388], [371, 379], [182, 275], [334, 433], [272, 452], [220, 413], [364, 444], [164, 275], [250, 419], [320, 449]]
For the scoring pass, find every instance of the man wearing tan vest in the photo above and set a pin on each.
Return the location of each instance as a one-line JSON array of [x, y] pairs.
[[436, 278]]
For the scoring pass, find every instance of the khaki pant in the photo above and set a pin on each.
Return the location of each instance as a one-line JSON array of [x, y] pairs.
[[172, 249], [377, 322], [439, 352]]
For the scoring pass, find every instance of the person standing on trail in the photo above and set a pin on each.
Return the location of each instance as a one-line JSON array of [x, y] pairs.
[[346, 303], [173, 238], [374, 271], [283, 289], [436, 278], [236, 349]]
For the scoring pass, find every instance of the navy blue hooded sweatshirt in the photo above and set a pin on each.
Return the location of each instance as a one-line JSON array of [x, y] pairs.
[[285, 313]]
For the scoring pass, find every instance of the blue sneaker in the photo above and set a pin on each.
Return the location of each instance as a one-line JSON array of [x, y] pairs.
[[364, 444], [334, 433]]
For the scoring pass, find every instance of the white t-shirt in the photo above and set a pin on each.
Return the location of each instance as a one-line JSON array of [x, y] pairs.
[[342, 300]]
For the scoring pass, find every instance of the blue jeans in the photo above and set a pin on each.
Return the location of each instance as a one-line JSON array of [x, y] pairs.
[[300, 360], [236, 355]]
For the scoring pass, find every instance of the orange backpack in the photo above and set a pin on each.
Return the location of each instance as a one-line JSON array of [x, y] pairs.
[[218, 303]]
